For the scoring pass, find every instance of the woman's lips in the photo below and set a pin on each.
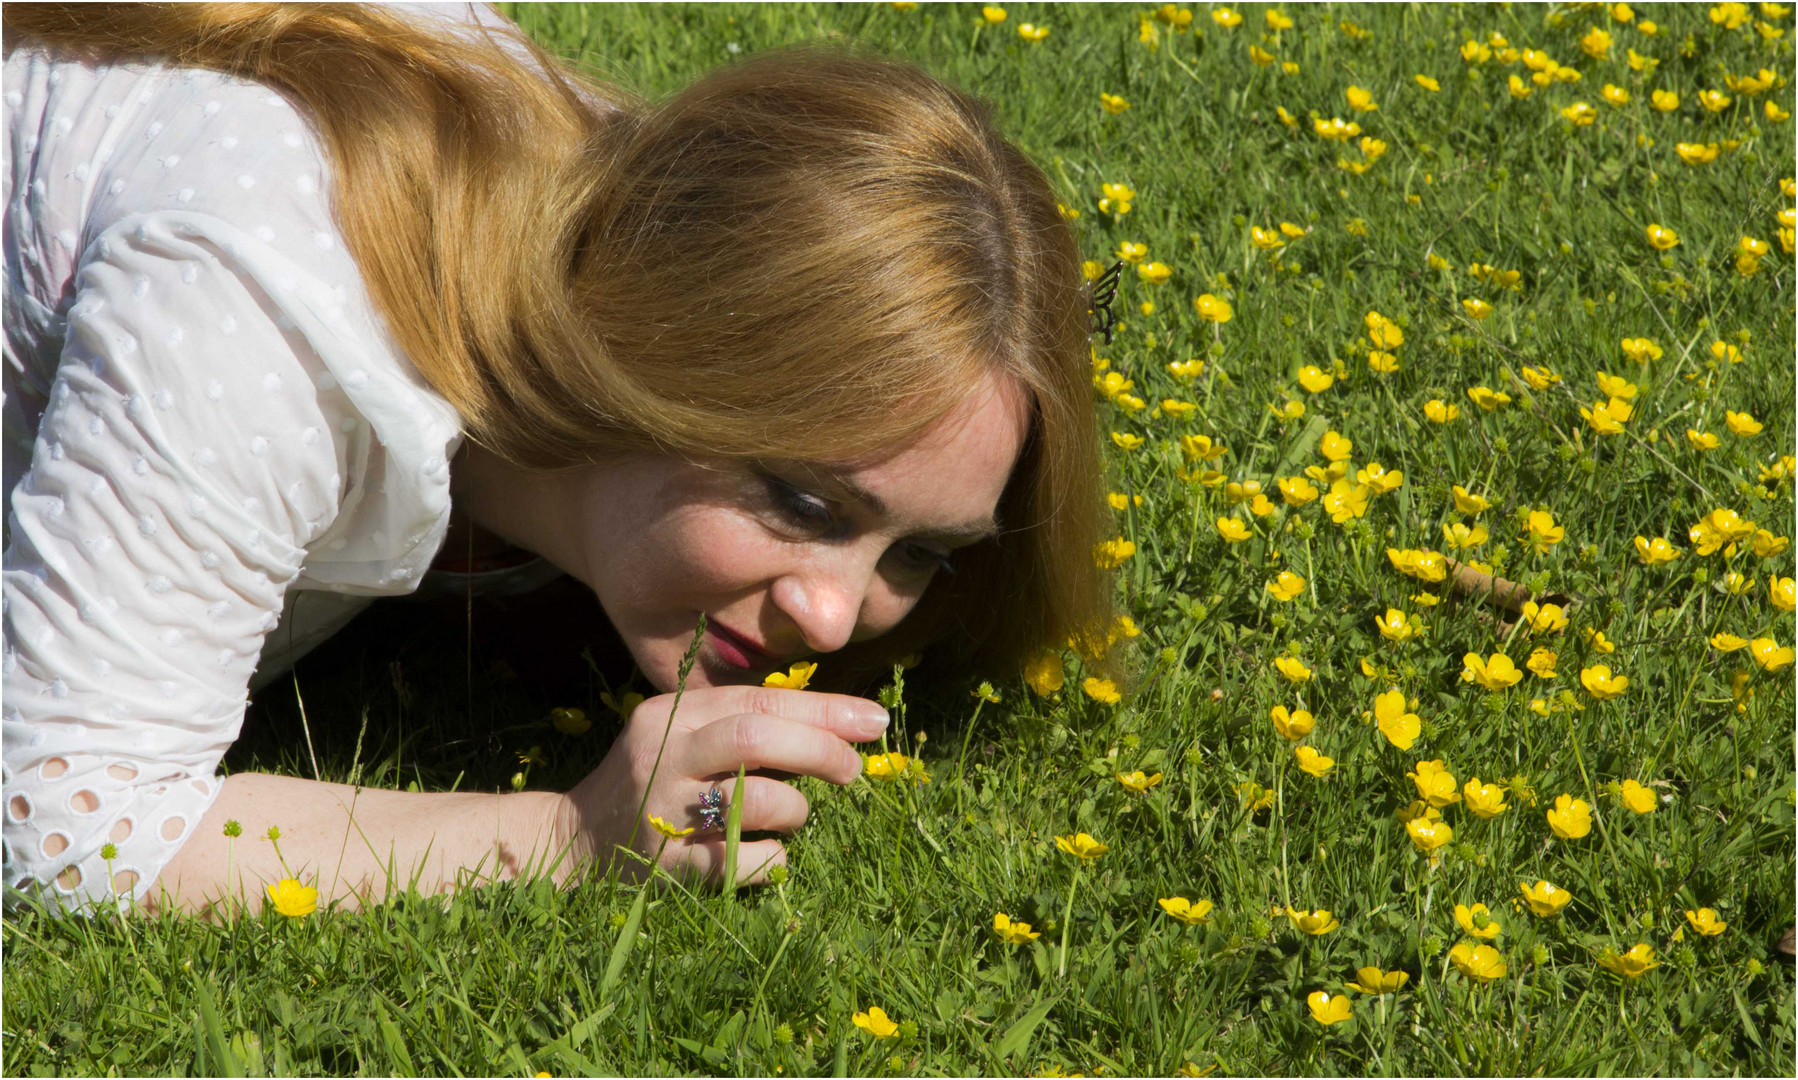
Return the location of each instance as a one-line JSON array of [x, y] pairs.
[[735, 650]]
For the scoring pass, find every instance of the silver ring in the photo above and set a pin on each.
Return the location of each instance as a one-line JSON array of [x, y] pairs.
[[711, 808]]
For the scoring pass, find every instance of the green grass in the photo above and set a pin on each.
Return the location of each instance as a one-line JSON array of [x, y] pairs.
[[894, 888]]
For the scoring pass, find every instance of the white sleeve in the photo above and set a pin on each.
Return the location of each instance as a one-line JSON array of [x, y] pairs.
[[187, 457]]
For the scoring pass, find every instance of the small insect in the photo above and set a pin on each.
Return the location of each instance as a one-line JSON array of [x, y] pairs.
[[1105, 290], [711, 808]]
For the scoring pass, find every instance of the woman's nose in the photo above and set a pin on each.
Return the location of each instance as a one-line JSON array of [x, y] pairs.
[[825, 600]]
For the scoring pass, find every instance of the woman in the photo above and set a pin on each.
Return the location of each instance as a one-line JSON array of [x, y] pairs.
[[801, 350]]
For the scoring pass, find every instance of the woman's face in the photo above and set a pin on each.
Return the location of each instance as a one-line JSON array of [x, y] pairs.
[[784, 560]]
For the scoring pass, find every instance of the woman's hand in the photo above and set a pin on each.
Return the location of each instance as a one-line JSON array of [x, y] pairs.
[[717, 729]]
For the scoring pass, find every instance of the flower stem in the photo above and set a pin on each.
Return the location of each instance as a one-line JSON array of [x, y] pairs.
[[1067, 923]]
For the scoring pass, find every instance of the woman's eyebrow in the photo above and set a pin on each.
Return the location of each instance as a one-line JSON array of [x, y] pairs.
[[968, 532]]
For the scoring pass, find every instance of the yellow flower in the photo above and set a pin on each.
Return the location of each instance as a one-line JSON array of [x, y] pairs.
[[662, 826], [1769, 655], [995, 16], [1103, 691], [1639, 799], [1540, 529], [1360, 100], [1313, 380], [1601, 684], [1380, 478], [1345, 501], [1664, 101], [1115, 105], [1187, 911], [1117, 198], [1435, 784], [1519, 89], [1544, 618], [1635, 963], [1032, 33], [1242, 491], [1423, 565], [1296, 490], [1293, 668], [1294, 725], [1126, 441], [1312, 762], [1395, 627], [1781, 592], [1132, 252], [570, 721], [1742, 424], [1714, 100], [1225, 18], [1460, 537], [1487, 398], [795, 678], [1641, 350], [1013, 933], [1383, 333], [1044, 674], [1542, 662], [1261, 57], [1468, 503], [1138, 781], [1496, 674], [1383, 362], [1436, 411], [1602, 419], [1081, 846], [1484, 800], [1701, 440], [1662, 238], [1255, 798], [1481, 963], [1111, 554], [293, 899], [1540, 378], [1400, 728], [1427, 83], [1327, 1008], [1726, 642], [1154, 273], [1291, 231], [1580, 114], [1545, 900], [894, 766], [1213, 309], [1737, 583], [1596, 43], [1376, 983], [1697, 153], [1335, 129], [1705, 922], [1570, 818], [1428, 835], [1316, 923], [1477, 921], [1232, 530], [875, 1021], [1614, 95], [1288, 586]]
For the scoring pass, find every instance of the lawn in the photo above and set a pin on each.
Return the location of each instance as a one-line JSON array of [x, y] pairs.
[[1427, 311]]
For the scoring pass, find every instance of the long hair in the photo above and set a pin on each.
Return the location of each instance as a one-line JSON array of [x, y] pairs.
[[812, 254]]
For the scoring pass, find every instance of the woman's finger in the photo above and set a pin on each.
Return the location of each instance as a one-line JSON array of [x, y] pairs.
[[852, 718], [705, 860], [768, 805], [767, 742]]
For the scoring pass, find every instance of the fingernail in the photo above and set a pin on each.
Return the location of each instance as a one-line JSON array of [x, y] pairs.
[[873, 717]]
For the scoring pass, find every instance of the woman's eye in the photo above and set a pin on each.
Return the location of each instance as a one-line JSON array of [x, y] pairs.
[[923, 560], [796, 506]]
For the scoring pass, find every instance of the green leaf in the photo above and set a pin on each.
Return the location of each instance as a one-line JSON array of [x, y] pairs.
[[621, 949], [1017, 1037], [224, 1062], [395, 1043]]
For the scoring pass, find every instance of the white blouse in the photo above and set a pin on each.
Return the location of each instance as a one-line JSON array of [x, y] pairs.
[[214, 452]]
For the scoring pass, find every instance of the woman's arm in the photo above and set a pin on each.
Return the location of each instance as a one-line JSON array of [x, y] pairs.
[[361, 845]]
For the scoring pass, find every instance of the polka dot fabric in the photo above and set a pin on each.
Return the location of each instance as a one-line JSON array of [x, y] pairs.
[[213, 453]]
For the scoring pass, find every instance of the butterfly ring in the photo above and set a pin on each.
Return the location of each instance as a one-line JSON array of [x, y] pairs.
[[711, 808]]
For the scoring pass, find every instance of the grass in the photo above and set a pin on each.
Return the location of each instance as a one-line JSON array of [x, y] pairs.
[[894, 886]]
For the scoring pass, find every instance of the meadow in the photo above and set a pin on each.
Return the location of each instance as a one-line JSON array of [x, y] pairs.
[[1450, 428]]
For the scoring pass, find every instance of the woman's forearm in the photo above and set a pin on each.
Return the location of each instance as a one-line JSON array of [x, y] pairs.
[[361, 845]]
